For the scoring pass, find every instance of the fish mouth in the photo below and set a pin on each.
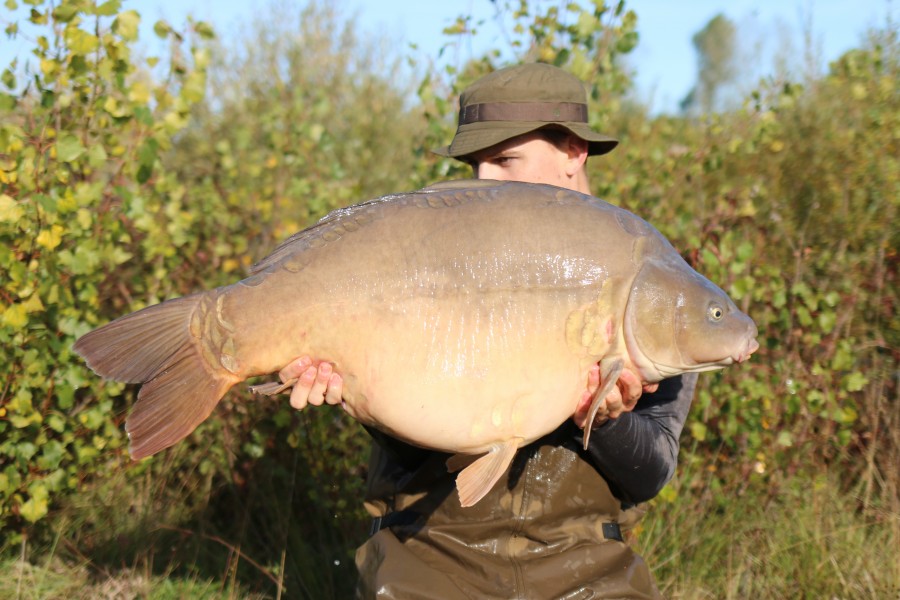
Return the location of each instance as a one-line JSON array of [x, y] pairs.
[[745, 352]]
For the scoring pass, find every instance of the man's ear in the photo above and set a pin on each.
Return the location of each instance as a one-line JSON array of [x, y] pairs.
[[577, 153]]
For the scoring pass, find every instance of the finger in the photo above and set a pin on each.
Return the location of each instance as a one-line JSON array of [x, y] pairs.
[[335, 389], [593, 379], [581, 411], [294, 368], [602, 415], [614, 404], [630, 388], [300, 393], [651, 387], [317, 393]]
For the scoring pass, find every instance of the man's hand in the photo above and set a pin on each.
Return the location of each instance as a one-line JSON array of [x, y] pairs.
[[622, 398], [315, 383]]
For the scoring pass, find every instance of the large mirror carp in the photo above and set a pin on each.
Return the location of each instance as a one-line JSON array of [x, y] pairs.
[[463, 317]]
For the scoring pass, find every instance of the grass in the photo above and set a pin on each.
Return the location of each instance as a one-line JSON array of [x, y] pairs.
[[273, 530], [708, 536], [801, 538], [54, 578]]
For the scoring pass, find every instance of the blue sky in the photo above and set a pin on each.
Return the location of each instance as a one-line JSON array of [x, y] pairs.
[[664, 61]]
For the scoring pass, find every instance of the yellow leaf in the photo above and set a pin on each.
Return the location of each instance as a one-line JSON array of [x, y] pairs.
[[139, 93], [50, 238], [15, 316], [48, 67], [80, 41], [33, 304], [10, 211], [36, 507], [126, 25], [229, 265], [84, 218]]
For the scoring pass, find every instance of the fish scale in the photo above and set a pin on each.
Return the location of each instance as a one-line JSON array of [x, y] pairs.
[[463, 317]]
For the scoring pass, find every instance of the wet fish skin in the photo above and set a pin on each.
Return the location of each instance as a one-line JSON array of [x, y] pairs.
[[463, 317]]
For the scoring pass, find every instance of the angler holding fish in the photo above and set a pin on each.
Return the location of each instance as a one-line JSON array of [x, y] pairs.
[[466, 321]]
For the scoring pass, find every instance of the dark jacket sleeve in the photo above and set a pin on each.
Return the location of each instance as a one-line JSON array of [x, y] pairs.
[[637, 452]]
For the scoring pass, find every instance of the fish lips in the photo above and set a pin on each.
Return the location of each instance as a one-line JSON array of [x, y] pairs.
[[744, 354]]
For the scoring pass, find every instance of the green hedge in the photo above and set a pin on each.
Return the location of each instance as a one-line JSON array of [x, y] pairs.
[[129, 179]]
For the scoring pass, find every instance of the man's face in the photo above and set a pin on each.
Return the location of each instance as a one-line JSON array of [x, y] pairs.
[[529, 158]]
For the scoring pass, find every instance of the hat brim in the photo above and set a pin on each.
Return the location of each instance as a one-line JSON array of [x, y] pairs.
[[476, 137]]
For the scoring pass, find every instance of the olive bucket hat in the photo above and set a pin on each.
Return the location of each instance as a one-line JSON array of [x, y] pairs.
[[518, 100]]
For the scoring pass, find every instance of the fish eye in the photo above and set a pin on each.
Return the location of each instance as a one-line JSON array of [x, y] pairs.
[[715, 312]]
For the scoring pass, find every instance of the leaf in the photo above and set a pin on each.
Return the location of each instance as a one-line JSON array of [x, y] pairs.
[[108, 8], [68, 148], [855, 381], [698, 431], [204, 30], [8, 79], [126, 25], [15, 316], [33, 304], [35, 508], [139, 93], [80, 41], [7, 102], [65, 12], [827, 320], [162, 29], [10, 211], [37, 17], [52, 453], [50, 238]]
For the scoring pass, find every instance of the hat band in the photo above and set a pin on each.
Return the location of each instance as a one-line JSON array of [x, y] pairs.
[[554, 112]]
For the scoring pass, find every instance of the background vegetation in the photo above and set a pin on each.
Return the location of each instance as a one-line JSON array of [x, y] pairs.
[[127, 179]]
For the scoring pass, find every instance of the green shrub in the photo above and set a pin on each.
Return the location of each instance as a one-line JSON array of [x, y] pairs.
[[126, 180], [90, 225]]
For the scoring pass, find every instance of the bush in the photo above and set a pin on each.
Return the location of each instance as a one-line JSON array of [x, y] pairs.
[[129, 180], [86, 208]]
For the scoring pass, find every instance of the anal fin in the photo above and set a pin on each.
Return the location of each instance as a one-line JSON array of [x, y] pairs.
[[478, 478]]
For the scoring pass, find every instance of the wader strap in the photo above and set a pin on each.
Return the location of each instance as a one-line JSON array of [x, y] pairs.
[[611, 531]]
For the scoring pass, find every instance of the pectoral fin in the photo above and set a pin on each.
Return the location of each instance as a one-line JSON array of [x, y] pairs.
[[478, 478], [273, 387], [610, 369]]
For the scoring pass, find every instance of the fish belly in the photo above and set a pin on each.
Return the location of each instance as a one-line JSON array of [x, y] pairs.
[[452, 372]]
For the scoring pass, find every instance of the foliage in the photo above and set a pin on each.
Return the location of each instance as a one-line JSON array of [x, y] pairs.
[[715, 45], [89, 224], [302, 117], [57, 580], [809, 540], [769, 203], [123, 186], [127, 180]]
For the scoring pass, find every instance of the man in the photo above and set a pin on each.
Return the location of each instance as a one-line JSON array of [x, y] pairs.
[[552, 526]]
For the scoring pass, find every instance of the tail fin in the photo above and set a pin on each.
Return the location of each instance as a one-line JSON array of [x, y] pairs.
[[155, 346]]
